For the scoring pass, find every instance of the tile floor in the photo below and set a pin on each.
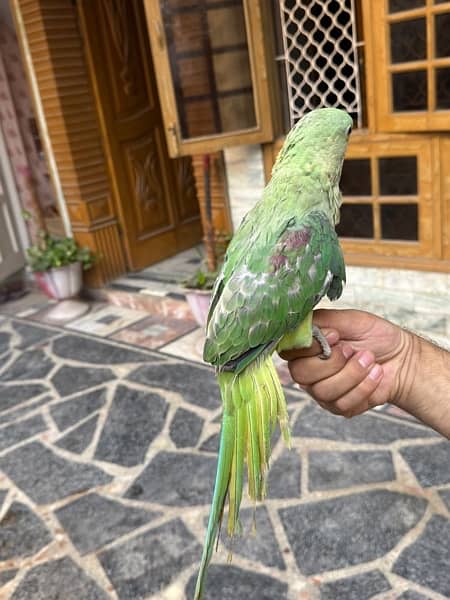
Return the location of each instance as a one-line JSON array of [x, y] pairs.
[[73, 399], [107, 458]]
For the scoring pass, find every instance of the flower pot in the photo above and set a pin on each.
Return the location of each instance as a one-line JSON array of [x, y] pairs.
[[61, 283], [199, 301]]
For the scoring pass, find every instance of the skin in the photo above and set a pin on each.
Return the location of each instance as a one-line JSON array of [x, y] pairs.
[[373, 362]]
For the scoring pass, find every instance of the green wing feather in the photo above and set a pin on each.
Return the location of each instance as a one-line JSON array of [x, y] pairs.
[[269, 290]]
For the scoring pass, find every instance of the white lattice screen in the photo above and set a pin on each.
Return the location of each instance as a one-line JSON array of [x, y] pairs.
[[320, 53]]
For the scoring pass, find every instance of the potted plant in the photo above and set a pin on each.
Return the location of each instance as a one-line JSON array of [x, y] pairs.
[[57, 264]]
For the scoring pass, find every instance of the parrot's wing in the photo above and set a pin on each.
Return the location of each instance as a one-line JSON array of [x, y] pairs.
[[254, 307]]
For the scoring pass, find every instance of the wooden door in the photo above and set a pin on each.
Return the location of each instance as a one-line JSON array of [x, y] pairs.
[[155, 196]]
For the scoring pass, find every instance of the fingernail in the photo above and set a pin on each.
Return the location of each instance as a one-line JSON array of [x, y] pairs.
[[347, 351], [366, 359], [375, 372]]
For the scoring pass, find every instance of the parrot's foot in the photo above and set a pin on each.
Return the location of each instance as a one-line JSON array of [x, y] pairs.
[[325, 346]]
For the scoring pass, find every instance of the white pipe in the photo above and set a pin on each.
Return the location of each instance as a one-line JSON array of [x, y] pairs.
[[40, 116]]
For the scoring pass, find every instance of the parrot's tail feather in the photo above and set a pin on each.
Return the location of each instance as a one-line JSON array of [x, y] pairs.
[[282, 413], [253, 400], [218, 501]]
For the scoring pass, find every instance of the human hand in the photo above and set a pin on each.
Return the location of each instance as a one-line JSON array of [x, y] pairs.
[[369, 363]]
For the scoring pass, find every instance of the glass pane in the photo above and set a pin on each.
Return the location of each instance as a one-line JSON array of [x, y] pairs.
[[443, 88], [442, 35], [355, 179], [399, 222], [408, 41], [409, 91], [398, 176], [210, 65], [356, 221], [398, 5]]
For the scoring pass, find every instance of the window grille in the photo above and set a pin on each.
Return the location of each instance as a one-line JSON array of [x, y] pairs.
[[320, 54]]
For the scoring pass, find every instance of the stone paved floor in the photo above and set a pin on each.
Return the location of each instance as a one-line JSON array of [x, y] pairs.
[[108, 440]]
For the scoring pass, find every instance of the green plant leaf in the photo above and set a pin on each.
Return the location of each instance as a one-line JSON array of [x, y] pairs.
[[51, 252]]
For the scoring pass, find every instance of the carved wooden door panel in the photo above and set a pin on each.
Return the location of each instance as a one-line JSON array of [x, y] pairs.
[[155, 196]]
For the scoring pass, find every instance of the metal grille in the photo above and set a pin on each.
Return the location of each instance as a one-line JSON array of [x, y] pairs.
[[320, 54]]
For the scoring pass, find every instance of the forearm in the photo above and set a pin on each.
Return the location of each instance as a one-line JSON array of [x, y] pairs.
[[424, 384]]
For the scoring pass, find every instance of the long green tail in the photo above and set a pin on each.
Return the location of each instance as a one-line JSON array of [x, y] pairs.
[[253, 401]]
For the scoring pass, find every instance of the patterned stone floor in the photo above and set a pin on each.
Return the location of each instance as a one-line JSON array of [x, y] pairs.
[[107, 459]]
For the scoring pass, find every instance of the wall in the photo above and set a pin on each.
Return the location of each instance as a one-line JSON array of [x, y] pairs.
[[245, 179]]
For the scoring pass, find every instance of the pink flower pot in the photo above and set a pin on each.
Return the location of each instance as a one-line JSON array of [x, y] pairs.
[[61, 283], [199, 301]]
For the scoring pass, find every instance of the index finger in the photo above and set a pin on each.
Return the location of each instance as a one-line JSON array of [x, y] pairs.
[[351, 324]]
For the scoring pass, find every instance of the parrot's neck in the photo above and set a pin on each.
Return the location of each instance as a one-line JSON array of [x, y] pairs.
[[306, 190]]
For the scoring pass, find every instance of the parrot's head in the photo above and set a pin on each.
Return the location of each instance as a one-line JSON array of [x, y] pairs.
[[315, 148], [318, 141]]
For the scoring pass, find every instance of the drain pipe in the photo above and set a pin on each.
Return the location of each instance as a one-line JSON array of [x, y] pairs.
[[40, 117]]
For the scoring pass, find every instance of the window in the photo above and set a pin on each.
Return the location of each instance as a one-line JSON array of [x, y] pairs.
[[390, 209], [387, 191], [411, 63], [209, 59]]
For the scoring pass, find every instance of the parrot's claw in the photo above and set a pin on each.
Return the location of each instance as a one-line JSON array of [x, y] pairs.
[[325, 346]]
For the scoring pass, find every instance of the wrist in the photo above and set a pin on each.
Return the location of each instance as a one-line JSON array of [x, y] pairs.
[[423, 380], [408, 363]]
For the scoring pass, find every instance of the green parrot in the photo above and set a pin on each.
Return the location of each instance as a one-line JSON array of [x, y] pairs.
[[282, 260]]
